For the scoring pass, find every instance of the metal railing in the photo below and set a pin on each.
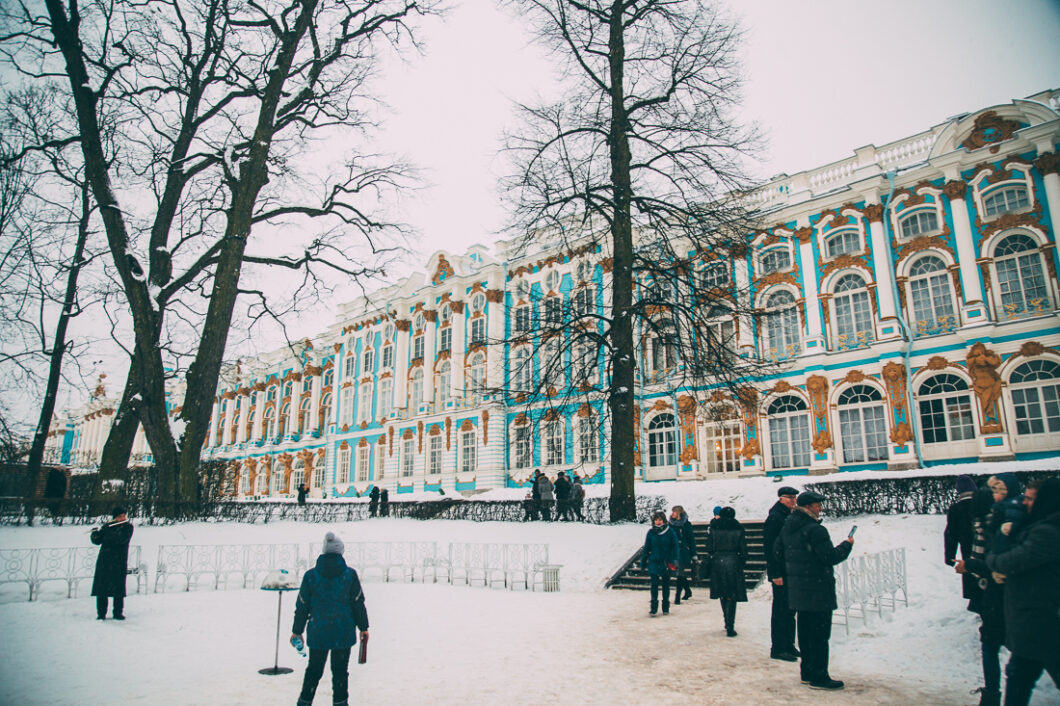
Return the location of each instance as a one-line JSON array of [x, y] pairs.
[[871, 582], [69, 565]]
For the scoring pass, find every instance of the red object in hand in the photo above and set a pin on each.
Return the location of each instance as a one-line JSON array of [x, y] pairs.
[[672, 567], [362, 656]]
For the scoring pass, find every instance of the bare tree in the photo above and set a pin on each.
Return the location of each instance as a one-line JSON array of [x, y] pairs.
[[196, 123], [640, 163]]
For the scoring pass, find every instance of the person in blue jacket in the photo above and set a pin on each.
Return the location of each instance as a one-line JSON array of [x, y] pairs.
[[660, 557], [331, 602]]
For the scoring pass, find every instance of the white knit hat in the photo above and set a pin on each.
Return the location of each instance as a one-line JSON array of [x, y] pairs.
[[332, 544]]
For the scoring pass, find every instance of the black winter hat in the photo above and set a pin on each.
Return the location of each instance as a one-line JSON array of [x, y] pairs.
[[809, 498], [786, 490]]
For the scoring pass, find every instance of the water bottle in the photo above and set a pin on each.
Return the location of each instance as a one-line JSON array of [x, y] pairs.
[[299, 645]]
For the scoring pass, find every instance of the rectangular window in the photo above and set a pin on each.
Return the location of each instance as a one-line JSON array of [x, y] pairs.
[[553, 443], [380, 461], [351, 365], [722, 452], [388, 356], [467, 451], [408, 457], [554, 311], [369, 362], [363, 454], [417, 347], [521, 453], [434, 461], [445, 340], [364, 412], [583, 302], [521, 323], [385, 397], [588, 451], [347, 405], [342, 473], [478, 330]]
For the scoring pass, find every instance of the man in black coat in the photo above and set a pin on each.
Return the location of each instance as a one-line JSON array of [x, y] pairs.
[[958, 533], [373, 501], [782, 623], [808, 555], [563, 490], [1031, 572], [302, 492], [112, 563]]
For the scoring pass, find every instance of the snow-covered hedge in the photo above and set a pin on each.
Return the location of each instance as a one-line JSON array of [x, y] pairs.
[[900, 495]]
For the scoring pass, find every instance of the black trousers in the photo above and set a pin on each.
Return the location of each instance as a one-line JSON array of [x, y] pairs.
[[101, 606], [340, 676], [663, 581], [728, 611], [1022, 674], [815, 629], [782, 621]]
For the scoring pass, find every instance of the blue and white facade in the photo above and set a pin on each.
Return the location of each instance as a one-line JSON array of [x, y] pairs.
[[909, 295]]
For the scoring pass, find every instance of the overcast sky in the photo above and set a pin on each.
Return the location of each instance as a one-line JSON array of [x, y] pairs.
[[823, 78]]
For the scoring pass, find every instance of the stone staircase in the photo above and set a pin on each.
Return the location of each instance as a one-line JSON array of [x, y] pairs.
[[631, 576]]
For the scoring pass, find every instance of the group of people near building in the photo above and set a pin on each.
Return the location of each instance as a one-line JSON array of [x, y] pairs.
[[562, 499], [1008, 540], [799, 557]]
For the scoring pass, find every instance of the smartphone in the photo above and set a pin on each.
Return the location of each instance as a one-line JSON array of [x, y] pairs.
[[853, 530]]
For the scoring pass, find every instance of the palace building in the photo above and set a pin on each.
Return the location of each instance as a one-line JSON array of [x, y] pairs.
[[908, 295]]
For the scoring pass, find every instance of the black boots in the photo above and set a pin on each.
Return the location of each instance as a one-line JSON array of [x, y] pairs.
[[989, 698], [728, 610]]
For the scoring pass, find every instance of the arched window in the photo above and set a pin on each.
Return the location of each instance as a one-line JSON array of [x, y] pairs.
[[303, 415], [244, 482], [720, 336], [285, 416], [945, 409], [521, 373], [277, 480], [862, 427], [853, 313], [269, 424], [298, 474], [476, 381], [415, 390], [841, 243], [662, 441], [1005, 199], [552, 280], [441, 386], [780, 326], [318, 475], [789, 432], [1020, 278], [931, 296], [714, 275], [250, 426], [263, 480], [1035, 389], [925, 220], [325, 413], [774, 260]]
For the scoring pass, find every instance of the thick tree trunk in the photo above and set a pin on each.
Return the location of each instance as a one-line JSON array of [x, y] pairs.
[[622, 504], [117, 449]]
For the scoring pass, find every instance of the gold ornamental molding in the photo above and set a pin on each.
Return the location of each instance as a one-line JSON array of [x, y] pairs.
[[989, 128]]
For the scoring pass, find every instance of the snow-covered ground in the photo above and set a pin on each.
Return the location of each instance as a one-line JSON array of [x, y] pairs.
[[457, 645]]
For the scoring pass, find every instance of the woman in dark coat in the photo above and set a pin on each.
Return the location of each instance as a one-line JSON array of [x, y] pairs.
[[331, 601], [686, 542], [111, 564], [659, 557], [727, 546], [1031, 574]]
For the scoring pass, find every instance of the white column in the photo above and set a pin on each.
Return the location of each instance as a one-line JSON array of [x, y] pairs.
[[883, 266], [401, 366], [429, 354], [314, 401], [495, 353], [808, 268], [457, 360], [971, 282], [745, 339]]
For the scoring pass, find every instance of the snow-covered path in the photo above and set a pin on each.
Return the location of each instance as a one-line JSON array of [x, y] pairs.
[[443, 644]]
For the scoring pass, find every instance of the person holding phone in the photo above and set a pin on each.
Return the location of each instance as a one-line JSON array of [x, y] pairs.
[[809, 557], [112, 563]]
